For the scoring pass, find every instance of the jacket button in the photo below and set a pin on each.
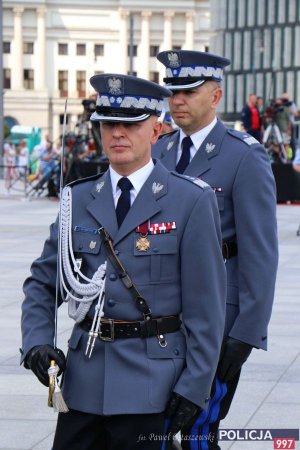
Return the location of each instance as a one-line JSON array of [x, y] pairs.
[[113, 277], [117, 252], [176, 351], [155, 250], [111, 302], [207, 399]]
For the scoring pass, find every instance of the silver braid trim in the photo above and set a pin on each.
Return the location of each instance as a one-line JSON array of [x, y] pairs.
[[80, 295]]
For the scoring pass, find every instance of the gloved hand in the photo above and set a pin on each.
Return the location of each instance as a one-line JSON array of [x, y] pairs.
[[233, 356], [38, 360], [181, 411]]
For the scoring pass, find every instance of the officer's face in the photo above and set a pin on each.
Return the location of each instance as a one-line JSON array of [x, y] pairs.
[[194, 109], [128, 145]]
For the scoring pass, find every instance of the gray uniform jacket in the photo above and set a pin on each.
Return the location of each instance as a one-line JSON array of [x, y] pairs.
[[182, 273], [238, 169]]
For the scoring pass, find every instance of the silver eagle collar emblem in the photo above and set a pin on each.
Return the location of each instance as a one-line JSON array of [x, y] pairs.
[[209, 147], [99, 186], [157, 187]]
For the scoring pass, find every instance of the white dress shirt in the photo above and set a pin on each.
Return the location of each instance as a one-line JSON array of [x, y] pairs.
[[137, 179], [197, 139]]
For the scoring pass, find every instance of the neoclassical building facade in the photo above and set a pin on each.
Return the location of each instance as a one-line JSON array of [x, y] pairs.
[[51, 48]]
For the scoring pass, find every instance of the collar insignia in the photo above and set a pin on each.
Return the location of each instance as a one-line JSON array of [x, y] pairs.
[[157, 187], [170, 145], [99, 186], [209, 147]]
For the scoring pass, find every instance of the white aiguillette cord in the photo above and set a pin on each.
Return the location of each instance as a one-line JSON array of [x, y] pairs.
[[55, 398]]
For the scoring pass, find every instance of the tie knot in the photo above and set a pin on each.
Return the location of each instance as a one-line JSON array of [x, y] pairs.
[[124, 184], [187, 142]]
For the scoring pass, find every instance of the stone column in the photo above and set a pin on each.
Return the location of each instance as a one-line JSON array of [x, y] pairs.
[[123, 40], [189, 30], [167, 41], [17, 51], [40, 66], [144, 51], [167, 45]]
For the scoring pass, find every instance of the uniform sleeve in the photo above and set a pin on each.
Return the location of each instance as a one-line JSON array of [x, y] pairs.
[[38, 308], [203, 298], [254, 199]]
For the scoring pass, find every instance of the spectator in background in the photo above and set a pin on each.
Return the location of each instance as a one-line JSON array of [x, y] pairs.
[[251, 117], [22, 157], [293, 113], [281, 117]]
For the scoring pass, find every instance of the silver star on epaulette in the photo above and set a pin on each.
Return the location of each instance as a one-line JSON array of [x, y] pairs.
[[209, 147], [170, 145], [157, 187], [99, 186]]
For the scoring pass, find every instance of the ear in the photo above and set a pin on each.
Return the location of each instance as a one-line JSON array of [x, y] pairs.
[[157, 127], [216, 97]]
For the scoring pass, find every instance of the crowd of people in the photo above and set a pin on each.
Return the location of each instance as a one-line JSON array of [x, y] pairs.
[[273, 125]]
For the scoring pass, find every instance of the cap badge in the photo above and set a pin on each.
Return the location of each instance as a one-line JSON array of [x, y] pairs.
[[99, 186], [115, 86], [209, 147], [157, 187], [174, 59]]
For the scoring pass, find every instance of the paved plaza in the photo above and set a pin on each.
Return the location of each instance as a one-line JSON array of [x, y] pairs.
[[268, 395]]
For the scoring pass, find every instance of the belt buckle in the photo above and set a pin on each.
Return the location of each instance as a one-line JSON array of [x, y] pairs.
[[110, 338]]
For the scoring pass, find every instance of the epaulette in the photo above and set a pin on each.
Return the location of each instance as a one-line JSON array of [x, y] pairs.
[[165, 135], [243, 136], [202, 184], [83, 180]]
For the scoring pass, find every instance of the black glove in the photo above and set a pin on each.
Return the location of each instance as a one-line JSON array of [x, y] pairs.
[[181, 411], [38, 360], [234, 354]]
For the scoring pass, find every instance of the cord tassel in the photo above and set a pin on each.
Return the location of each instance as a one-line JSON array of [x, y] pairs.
[[55, 398]]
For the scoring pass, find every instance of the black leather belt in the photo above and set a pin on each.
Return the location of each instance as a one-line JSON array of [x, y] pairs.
[[229, 249], [111, 329]]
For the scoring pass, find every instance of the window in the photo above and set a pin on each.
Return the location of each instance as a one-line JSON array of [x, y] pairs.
[[28, 79], [98, 72], [80, 49], [99, 50], [63, 83], [62, 49], [6, 47], [206, 48], [154, 49], [133, 73], [134, 50], [6, 78], [176, 47], [28, 48], [80, 83], [154, 76]]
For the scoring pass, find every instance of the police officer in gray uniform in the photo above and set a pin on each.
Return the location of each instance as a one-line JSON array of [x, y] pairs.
[[142, 269], [238, 169]]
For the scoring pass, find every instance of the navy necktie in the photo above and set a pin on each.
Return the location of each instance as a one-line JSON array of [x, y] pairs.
[[185, 155], [124, 199]]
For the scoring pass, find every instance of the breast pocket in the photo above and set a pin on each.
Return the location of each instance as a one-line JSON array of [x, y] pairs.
[[159, 262], [86, 243]]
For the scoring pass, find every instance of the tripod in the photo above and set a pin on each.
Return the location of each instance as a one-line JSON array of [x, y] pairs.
[[271, 138]]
